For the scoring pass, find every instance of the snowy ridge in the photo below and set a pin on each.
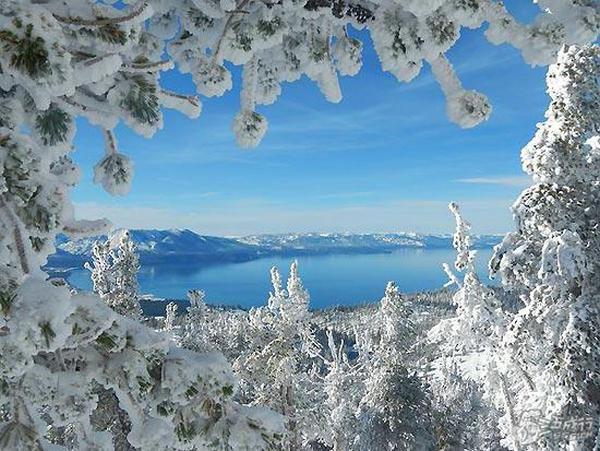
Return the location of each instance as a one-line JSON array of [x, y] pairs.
[[154, 246], [157, 246], [375, 242]]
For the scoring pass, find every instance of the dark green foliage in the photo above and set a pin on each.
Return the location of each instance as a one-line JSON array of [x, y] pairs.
[[37, 243], [154, 367], [19, 166], [199, 20], [443, 30], [185, 432], [141, 100], [191, 392], [28, 54], [319, 49], [141, 59], [252, 125], [52, 125], [227, 390], [41, 211], [112, 34], [106, 341], [47, 332], [165, 408], [243, 39], [145, 386], [109, 33], [268, 28], [76, 329], [6, 302], [116, 165]]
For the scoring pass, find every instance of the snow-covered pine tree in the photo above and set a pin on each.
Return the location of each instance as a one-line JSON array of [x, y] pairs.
[[396, 326], [192, 336], [278, 296], [101, 269], [209, 329], [197, 300], [549, 372], [395, 410], [291, 304], [296, 306], [479, 322], [63, 345], [170, 316], [464, 420], [342, 387], [126, 266], [274, 371], [465, 344], [114, 274]]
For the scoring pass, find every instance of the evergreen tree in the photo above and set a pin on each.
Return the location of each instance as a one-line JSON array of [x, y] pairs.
[[126, 266], [549, 371], [296, 306], [342, 386], [274, 371], [101, 269], [114, 275], [209, 329], [395, 411], [466, 343], [464, 420], [479, 322], [170, 316]]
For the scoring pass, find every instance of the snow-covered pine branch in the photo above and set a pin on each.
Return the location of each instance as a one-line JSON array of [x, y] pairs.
[[60, 346]]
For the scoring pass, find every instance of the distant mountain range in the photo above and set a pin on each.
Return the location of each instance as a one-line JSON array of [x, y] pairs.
[[172, 246]]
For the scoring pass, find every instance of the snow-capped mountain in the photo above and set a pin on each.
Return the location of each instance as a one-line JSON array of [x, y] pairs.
[[157, 246], [351, 242]]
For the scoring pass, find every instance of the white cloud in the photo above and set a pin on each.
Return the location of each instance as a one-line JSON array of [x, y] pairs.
[[518, 180]]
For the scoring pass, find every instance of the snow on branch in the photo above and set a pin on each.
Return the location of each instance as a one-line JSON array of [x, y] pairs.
[[139, 12], [188, 105], [465, 108]]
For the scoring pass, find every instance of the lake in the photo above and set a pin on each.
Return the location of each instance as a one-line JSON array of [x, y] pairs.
[[330, 279]]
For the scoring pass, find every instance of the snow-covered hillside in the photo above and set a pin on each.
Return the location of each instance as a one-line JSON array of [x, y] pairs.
[[351, 242], [156, 246]]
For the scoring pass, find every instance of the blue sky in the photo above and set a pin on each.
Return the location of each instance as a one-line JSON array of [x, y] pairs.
[[384, 159]]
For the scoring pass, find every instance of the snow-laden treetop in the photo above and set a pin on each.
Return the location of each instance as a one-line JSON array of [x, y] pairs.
[[103, 62]]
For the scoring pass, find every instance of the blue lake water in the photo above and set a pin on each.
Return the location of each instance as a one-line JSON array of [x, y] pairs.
[[330, 279]]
